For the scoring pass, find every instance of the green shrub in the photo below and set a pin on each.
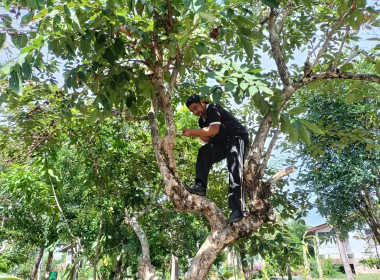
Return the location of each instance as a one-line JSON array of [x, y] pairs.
[[371, 262]]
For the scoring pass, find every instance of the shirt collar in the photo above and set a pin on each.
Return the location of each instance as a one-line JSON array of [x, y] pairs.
[[204, 119]]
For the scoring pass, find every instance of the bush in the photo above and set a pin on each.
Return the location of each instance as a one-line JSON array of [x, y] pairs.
[[328, 268], [371, 262]]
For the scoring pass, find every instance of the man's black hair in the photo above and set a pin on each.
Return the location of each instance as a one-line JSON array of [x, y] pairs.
[[193, 99]]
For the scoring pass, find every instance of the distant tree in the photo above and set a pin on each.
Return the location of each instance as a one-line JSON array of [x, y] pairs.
[[342, 164]]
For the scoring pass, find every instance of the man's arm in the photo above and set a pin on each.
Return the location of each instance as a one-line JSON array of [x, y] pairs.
[[204, 133]]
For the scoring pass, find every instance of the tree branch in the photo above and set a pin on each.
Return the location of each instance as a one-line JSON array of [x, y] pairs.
[[61, 211], [269, 151], [355, 53], [146, 270], [278, 54], [279, 175], [336, 75], [286, 11], [335, 65], [329, 36]]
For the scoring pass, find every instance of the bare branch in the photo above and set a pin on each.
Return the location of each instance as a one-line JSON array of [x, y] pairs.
[[269, 152], [356, 53], [336, 75], [146, 209], [284, 14], [61, 211], [335, 65], [329, 36], [173, 78], [280, 174], [278, 54], [128, 116]]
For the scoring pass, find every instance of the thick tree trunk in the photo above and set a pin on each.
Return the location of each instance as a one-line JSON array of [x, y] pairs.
[[222, 234], [344, 258], [48, 265], [37, 264], [175, 270]]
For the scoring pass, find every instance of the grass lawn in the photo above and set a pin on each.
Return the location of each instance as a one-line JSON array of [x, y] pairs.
[[360, 277], [368, 276]]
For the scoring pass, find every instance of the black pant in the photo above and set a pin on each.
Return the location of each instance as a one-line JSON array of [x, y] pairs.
[[233, 149]]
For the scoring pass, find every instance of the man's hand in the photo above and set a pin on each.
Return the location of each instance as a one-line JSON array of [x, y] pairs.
[[187, 132]]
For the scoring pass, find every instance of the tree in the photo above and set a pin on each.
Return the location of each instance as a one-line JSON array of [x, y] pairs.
[[342, 168], [148, 55]]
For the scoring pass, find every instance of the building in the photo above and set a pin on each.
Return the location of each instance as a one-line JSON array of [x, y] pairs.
[[358, 246]]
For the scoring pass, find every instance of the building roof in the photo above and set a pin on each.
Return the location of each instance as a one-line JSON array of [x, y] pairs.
[[317, 228]]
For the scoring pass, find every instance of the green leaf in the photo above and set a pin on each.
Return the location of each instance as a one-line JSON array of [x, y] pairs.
[[37, 42], [252, 90], [3, 36], [195, 6], [7, 20], [297, 111], [305, 135], [201, 48], [293, 134], [109, 56], [377, 67], [26, 70], [93, 116], [172, 50], [72, 14], [207, 16], [216, 95], [296, 124], [307, 3], [85, 44], [311, 126], [247, 45], [246, 22], [20, 40], [276, 98], [285, 125], [15, 82], [271, 3], [32, 3], [27, 18], [244, 86], [51, 173], [7, 4]]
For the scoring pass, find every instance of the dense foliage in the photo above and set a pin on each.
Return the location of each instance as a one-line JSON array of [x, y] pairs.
[[92, 97]]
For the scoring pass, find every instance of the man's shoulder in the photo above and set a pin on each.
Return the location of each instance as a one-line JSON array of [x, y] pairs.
[[214, 108]]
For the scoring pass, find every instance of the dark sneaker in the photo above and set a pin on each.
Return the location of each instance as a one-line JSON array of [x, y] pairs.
[[235, 216], [197, 188]]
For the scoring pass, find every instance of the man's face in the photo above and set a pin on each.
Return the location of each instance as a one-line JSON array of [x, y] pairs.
[[198, 109]]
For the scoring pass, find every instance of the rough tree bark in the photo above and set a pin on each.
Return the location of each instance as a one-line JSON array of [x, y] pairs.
[[37, 264], [145, 270], [259, 190]]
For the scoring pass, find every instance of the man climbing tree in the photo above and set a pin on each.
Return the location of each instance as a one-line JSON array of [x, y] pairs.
[[227, 138]]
